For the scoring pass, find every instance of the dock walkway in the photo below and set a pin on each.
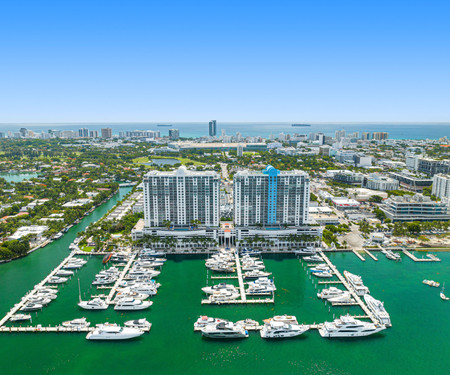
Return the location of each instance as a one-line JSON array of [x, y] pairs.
[[119, 280]]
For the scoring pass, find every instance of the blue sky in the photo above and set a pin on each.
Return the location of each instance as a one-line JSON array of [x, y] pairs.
[[317, 61]]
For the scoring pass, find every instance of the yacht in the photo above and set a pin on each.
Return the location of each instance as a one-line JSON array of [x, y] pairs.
[[224, 269], [46, 290], [76, 323], [345, 297], [58, 236], [307, 251], [93, 304], [57, 280], [276, 330], [50, 296], [20, 317], [73, 266], [248, 323], [127, 293], [252, 267], [221, 286], [141, 272], [138, 323], [442, 295], [148, 264], [223, 296], [313, 258], [331, 292], [40, 300], [113, 332], [289, 319], [320, 268], [347, 326], [431, 283], [204, 320], [30, 306], [391, 255], [377, 307], [356, 283], [64, 273], [259, 290], [256, 274], [151, 253], [106, 280], [145, 288], [322, 274], [224, 330], [128, 304]]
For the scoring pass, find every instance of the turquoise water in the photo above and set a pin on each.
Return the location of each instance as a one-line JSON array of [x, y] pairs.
[[416, 344], [17, 177]]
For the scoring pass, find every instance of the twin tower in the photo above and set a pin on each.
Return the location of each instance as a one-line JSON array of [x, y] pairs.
[[260, 198]]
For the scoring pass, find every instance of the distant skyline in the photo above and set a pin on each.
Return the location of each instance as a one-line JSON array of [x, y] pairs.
[[266, 61]]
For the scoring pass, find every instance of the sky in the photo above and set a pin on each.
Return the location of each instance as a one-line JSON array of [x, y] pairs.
[[139, 61]]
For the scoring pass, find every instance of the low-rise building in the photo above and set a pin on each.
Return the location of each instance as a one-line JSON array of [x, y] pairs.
[[411, 182], [343, 203], [35, 231], [376, 181], [349, 177], [415, 208]]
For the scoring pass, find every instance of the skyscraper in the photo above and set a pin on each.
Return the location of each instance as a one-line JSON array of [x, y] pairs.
[[340, 134], [174, 134], [93, 133], [212, 128], [83, 133], [379, 136], [240, 150], [106, 133], [181, 196], [271, 197]]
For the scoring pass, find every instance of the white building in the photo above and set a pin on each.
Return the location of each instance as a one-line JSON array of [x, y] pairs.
[[35, 230], [271, 197], [441, 186], [378, 182], [180, 197], [240, 150]]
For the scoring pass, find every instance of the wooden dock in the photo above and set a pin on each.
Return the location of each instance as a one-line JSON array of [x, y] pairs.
[[358, 255], [371, 255], [119, 280], [239, 274], [415, 259]]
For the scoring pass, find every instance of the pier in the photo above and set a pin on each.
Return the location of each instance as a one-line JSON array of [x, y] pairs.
[[26, 298], [415, 259], [371, 255], [350, 289], [358, 255], [119, 280], [240, 279]]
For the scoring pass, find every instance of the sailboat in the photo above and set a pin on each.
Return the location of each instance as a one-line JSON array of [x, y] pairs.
[[443, 296]]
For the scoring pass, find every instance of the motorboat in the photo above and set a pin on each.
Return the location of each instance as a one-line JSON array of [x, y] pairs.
[[40, 300], [110, 271], [248, 323], [252, 267], [431, 283], [324, 268], [128, 304], [221, 286], [313, 258], [204, 320], [20, 317], [128, 293], [347, 326], [289, 319], [57, 280], [63, 272], [80, 323], [73, 266], [151, 253], [345, 297], [391, 255], [224, 330], [331, 292], [145, 288], [319, 265], [153, 259], [223, 296], [322, 274], [93, 304], [140, 273], [50, 296], [30, 306], [148, 264], [138, 323], [277, 330], [260, 290], [256, 274], [44, 290], [113, 332], [306, 251], [377, 307], [106, 280], [223, 269], [58, 236], [356, 283]]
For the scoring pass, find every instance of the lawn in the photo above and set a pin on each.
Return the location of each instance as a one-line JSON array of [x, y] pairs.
[[146, 159]]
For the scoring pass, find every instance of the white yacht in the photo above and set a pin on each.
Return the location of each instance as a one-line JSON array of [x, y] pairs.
[[222, 286], [93, 304], [222, 268], [50, 296], [319, 268], [138, 323], [259, 290], [347, 326], [289, 319], [63, 272], [307, 251], [204, 320], [248, 323], [256, 274], [76, 323], [128, 304], [128, 293], [313, 258], [331, 292], [113, 332], [252, 267], [356, 283], [442, 295], [145, 288], [30, 306], [345, 297], [276, 330], [20, 317], [105, 280], [224, 330], [322, 274], [377, 307], [40, 300], [391, 255], [223, 296], [46, 290], [57, 280], [431, 283]]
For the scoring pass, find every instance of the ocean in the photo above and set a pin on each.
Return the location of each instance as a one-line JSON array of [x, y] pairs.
[[417, 343], [264, 129]]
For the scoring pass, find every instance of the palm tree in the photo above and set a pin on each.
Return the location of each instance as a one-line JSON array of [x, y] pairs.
[[167, 223]]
